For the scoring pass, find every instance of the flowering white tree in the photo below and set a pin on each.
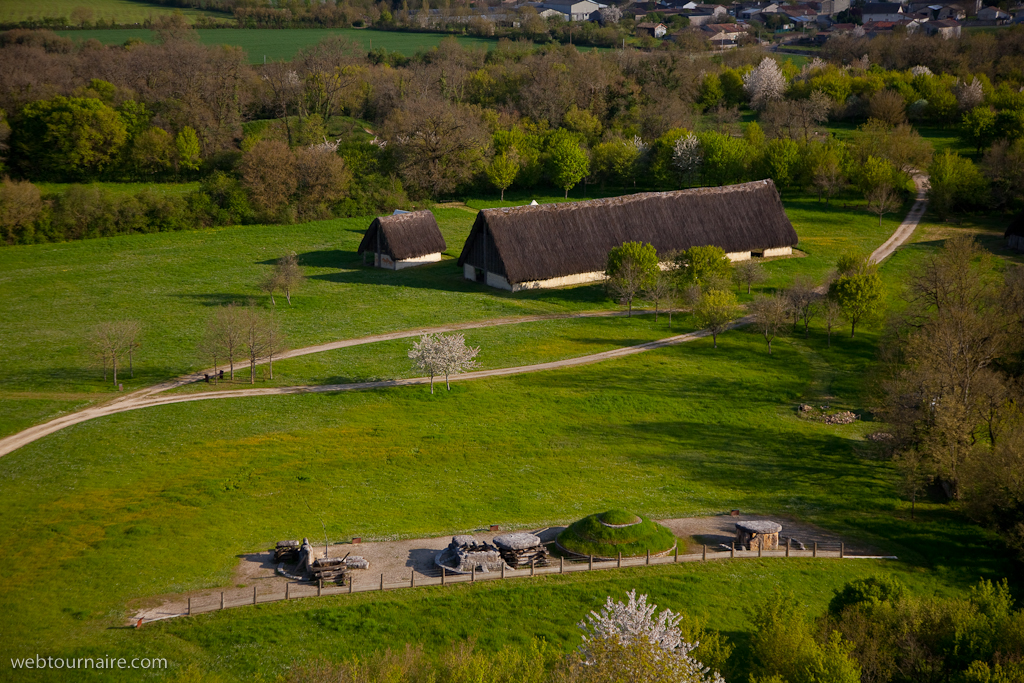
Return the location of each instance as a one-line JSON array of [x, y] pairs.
[[969, 95], [640, 645], [687, 156], [921, 71], [443, 354], [764, 83]]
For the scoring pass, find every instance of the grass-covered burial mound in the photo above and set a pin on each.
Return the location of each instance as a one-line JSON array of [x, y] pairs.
[[609, 533]]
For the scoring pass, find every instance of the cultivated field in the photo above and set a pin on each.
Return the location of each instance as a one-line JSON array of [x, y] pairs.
[[119, 11], [282, 44]]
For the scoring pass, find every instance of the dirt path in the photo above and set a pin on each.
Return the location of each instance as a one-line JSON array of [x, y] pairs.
[[146, 398], [908, 225]]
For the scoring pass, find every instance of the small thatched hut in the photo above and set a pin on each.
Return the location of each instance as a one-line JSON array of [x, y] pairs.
[[1015, 233], [403, 240], [554, 245]]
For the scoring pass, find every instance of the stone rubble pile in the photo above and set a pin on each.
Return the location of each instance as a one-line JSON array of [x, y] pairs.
[[844, 417], [466, 554], [520, 549]]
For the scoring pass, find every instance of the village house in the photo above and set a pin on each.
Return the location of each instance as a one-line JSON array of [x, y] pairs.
[[651, 30], [994, 15], [555, 245], [945, 28], [882, 11], [583, 10], [724, 36], [403, 240]]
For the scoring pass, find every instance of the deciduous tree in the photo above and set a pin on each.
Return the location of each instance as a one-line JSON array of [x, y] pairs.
[[715, 310], [632, 269], [749, 272], [567, 161], [858, 295], [443, 354], [502, 171], [770, 314]]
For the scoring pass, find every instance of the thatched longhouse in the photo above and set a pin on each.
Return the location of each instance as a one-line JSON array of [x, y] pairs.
[[555, 245], [402, 240]]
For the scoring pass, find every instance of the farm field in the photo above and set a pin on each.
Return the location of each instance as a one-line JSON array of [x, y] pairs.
[[283, 44], [119, 11], [680, 431]]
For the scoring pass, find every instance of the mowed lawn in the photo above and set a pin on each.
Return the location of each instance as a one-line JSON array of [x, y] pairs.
[[283, 44], [119, 11], [164, 500]]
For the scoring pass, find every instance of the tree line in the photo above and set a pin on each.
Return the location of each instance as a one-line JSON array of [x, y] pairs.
[[267, 143]]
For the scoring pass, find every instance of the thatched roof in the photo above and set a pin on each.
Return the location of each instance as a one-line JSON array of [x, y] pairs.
[[404, 235], [527, 243]]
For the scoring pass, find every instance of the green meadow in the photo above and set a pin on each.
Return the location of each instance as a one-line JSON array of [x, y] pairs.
[[109, 514], [282, 44], [119, 11]]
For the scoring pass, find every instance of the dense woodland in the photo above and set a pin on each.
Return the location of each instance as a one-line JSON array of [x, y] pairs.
[[454, 121]]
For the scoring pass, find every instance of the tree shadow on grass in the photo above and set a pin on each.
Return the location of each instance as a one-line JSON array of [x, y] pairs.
[[213, 299]]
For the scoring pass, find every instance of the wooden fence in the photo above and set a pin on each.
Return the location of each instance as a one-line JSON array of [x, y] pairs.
[[367, 581]]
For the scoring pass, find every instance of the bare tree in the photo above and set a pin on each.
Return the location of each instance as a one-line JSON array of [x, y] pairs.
[[443, 354], [770, 314], [749, 273], [255, 338], [804, 299], [131, 331], [882, 199], [832, 313], [270, 284], [661, 292], [627, 283], [112, 341], [275, 341], [223, 336], [289, 275]]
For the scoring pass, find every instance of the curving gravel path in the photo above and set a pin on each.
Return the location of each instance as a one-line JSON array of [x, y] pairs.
[[909, 223]]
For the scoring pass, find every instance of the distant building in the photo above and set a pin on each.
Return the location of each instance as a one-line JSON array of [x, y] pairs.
[[945, 28], [651, 30], [993, 14], [724, 36], [583, 10], [882, 11]]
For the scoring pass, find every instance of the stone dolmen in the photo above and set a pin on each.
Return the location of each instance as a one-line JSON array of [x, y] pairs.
[[466, 554], [761, 535], [521, 549]]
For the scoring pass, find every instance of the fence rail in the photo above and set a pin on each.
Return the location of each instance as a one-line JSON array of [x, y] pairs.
[[368, 581]]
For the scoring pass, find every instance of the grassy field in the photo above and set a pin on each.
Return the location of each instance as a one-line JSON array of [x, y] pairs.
[[282, 44], [681, 431], [172, 281], [119, 11]]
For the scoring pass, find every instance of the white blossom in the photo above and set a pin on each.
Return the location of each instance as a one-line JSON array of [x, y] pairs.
[[969, 95], [764, 83], [687, 155], [443, 354], [635, 620], [921, 71], [326, 146]]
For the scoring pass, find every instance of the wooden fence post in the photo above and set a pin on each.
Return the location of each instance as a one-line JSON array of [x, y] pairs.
[[676, 559], [732, 551], [412, 579], [472, 574], [319, 588], [351, 581], [503, 569], [788, 543], [842, 550], [287, 587], [382, 581], [704, 553], [561, 564], [533, 561], [222, 599], [814, 551], [648, 556], [190, 606], [591, 563], [620, 560], [254, 595], [444, 573], [760, 547]]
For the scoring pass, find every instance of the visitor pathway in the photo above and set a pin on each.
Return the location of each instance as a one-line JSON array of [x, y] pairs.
[[148, 397]]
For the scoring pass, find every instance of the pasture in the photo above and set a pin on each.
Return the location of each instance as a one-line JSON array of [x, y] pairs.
[[266, 44], [117, 11]]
